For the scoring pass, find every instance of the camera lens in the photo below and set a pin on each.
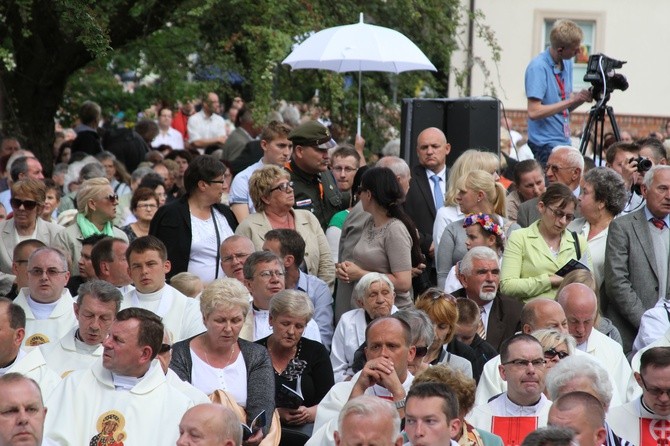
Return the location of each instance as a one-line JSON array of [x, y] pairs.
[[643, 164]]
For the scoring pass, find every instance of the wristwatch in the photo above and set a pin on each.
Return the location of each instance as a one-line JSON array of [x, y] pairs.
[[400, 404]]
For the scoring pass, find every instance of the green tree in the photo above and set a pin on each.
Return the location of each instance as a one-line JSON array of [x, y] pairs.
[[44, 42]]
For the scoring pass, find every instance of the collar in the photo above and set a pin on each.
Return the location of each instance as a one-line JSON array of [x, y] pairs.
[[546, 56], [298, 172], [302, 282], [648, 216], [442, 174], [577, 191], [514, 409]]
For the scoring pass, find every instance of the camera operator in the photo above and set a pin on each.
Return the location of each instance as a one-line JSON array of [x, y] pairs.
[[632, 161], [548, 82]]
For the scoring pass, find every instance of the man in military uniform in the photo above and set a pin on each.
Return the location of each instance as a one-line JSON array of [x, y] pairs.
[[314, 186]]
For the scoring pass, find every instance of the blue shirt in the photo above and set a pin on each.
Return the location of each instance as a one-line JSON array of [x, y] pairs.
[[239, 189], [541, 83], [318, 292]]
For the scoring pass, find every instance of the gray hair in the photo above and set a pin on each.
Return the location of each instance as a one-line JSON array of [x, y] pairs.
[[572, 156], [61, 255], [579, 366], [420, 323], [227, 293], [372, 407], [550, 436], [476, 253], [397, 165], [293, 303], [365, 282], [608, 188], [649, 176], [291, 115], [249, 268], [392, 148], [139, 173], [101, 290], [550, 337]]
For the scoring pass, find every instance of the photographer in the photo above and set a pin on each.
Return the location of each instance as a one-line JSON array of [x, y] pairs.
[[548, 83]]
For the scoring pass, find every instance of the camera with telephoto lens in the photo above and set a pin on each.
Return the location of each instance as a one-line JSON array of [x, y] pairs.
[[600, 73], [643, 164]]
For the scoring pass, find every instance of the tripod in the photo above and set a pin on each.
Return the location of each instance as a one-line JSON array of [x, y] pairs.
[[596, 124]]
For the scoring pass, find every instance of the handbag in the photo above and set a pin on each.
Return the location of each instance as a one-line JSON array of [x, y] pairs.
[[224, 398]]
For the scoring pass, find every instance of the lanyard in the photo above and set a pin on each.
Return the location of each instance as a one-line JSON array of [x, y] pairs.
[[561, 88]]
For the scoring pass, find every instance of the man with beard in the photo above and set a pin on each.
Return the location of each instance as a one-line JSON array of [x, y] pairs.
[[479, 273]]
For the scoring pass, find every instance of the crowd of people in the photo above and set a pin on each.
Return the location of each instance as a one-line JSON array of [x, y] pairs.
[[206, 279]]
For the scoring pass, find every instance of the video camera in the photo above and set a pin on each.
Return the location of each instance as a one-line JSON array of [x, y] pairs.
[[600, 73]]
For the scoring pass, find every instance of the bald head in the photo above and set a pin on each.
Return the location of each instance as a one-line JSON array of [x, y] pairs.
[[234, 251], [432, 149], [211, 424], [580, 305], [543, 313]]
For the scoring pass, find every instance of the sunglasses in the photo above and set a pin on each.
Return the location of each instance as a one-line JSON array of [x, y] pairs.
[[165, 348], [113, 198], [552, 353], [283, 187], [28, 205], [421, 352]]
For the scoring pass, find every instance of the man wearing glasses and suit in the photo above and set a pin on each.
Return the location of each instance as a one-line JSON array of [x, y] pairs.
[[565, 165]]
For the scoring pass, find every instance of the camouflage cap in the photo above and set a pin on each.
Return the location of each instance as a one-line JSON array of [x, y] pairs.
[[313, 134]]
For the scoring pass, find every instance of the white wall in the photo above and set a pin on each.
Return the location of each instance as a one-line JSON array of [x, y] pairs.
[[637, 31]]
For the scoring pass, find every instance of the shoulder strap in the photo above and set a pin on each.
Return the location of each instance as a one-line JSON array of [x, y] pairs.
[[577, 247]]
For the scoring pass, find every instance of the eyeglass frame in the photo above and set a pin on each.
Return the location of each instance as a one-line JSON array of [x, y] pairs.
[[282, 187], [147, 206], [268, 274], [50, 272], [112, 198], [555, 167], [345, 169], [420, 352], [536, 363], [656, 393], [559, 214], [237, 255]]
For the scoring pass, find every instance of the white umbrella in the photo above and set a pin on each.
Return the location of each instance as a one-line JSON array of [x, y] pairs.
[[359, 47]]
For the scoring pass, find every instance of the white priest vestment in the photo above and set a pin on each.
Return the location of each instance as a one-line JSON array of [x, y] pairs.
[[51, 329], [32, 365], [67, 355]]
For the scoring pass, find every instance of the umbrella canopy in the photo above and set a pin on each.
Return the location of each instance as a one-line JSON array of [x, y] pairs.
[[359, 47]]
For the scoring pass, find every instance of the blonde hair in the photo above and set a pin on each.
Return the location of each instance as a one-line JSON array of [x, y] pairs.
[[292, 303], [468, 161], [261, 182], [226, 293], [482, 181], [552, 338], [34, 189], [90, 190], [187, 283], [565, 33]]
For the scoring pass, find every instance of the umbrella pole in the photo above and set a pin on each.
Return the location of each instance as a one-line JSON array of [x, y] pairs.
[[358, 129]]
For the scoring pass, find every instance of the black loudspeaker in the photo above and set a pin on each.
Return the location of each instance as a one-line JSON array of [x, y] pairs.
[[469, 123]]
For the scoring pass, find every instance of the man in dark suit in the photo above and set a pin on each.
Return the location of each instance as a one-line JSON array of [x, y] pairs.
[[426, 194], [479, 273], [636, 258], [565, 165]]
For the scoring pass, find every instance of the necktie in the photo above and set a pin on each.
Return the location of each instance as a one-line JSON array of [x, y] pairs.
[[439, 199], [481, 329], [660, 224]]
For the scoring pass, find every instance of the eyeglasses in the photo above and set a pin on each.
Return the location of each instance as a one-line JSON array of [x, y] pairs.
[[559, 214], [112, 197], [523, 363], [555, 168], [552, 353], [344, 169], [241, 256], [217, 181], [28, 205], [283, 187], [654, 391], [421, 352], [267, 274], [147, 206], [39, 272], [165, 348]]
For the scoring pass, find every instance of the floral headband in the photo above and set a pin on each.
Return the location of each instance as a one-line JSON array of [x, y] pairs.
[[486, 222]]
